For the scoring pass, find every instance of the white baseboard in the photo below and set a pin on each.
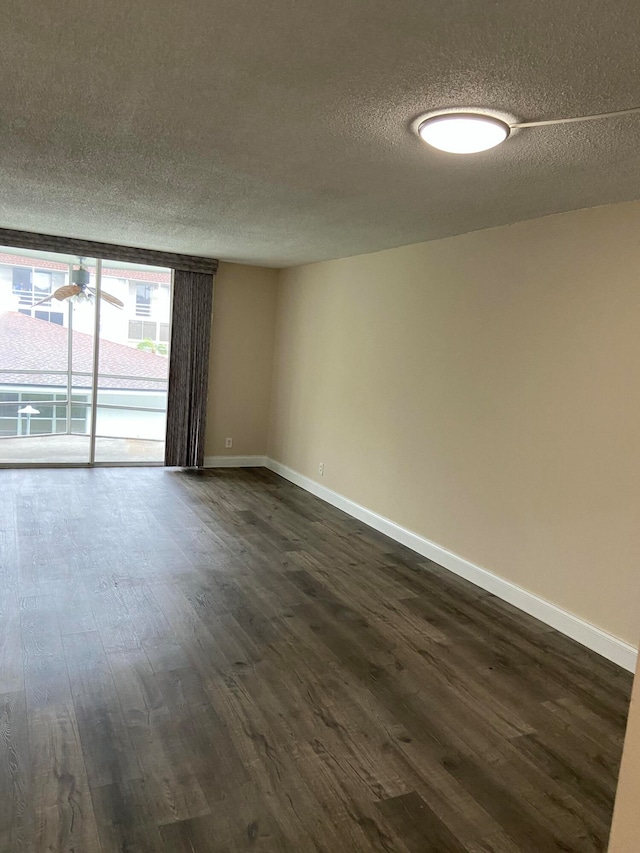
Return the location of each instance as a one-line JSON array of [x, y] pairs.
[[594, 638], [235, 462]]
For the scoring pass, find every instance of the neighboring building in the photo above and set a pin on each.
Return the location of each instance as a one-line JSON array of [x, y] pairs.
[[41, 345], [146, 294]]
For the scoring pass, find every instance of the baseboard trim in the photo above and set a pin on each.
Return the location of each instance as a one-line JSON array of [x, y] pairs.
[[235, 461], [594, 638]]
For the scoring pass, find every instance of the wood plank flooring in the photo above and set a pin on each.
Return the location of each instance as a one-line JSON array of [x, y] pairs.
[[218, 661]]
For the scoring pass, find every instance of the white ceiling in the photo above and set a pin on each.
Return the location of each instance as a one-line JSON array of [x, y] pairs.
[[277, 131]]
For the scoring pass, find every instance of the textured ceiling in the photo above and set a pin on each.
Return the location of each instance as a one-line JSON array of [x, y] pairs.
[[277, 132]]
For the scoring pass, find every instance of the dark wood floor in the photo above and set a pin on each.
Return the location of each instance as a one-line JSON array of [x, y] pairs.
[[221, 662]]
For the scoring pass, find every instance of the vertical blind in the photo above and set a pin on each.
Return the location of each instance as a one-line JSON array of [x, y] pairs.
[[188, 368]]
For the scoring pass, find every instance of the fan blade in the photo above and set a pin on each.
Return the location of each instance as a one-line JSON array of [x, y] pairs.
[[61, 293], [42, 301], [113, 300], [107, 297]]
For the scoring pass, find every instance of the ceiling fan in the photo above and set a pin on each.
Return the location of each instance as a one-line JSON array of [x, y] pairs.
[[80, 288]]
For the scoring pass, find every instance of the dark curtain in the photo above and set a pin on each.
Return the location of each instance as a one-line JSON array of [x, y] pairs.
[[188, 368]]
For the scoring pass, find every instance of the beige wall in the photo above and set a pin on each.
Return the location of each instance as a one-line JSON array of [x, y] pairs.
[[241, 362], [625, 831], [482, 391]]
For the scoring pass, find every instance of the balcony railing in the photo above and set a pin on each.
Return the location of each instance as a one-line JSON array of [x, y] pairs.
[[67, 405]]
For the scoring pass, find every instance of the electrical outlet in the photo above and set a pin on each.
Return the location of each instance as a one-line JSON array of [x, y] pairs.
[[321, 469], [228, 442]]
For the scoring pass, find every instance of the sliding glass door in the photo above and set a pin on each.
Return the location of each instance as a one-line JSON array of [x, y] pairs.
[[132, 381], [84, 349], [46, 361]]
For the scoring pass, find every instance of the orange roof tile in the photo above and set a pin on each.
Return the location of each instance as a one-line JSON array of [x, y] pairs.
[[30, 344]]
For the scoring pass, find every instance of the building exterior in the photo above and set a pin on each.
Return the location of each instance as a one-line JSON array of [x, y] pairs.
[[39, 368], [146, 293]]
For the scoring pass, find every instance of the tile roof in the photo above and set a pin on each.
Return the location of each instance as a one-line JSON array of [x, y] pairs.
[[30, 344]]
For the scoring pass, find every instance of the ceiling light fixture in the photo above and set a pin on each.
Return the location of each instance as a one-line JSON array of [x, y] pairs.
[[461, 132]]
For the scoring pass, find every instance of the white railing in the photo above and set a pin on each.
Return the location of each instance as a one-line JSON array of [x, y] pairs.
[[36, 372], [69, 404]]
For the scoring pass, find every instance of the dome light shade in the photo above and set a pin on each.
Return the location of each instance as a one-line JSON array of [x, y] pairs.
[[463, 133]]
